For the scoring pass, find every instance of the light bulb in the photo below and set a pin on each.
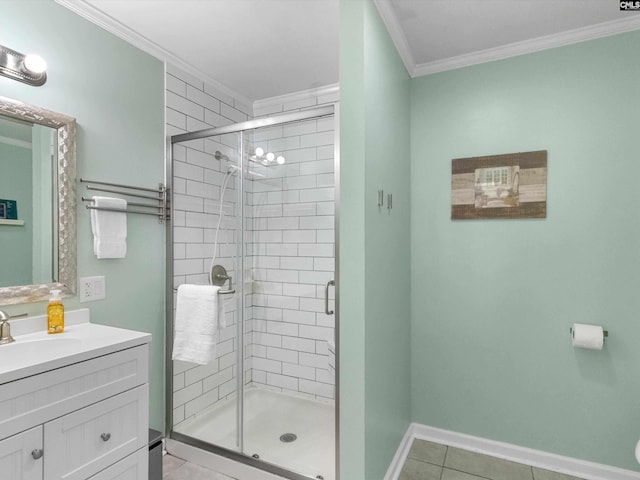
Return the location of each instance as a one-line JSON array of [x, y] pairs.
[[34, 63], [270, 156], [280, 160], [259, 151]]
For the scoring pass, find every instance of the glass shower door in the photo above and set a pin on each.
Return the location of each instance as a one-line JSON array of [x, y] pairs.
[[257, 206], [288, 399], [206, 230]]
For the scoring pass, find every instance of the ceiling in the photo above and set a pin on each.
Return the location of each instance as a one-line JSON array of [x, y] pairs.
[[258, 49], [437, 35]]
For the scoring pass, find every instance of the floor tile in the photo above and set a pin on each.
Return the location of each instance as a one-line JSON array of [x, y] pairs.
[[428, 452], [189, 471], [540, 474], [448, 474], [417, 470], [170, 463], [486, 466]]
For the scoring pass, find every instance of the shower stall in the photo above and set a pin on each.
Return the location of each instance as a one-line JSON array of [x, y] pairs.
[[253, 210]]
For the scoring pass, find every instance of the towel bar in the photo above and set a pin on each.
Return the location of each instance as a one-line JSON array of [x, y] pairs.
[[159, 207], [220, 292], [218, 278]]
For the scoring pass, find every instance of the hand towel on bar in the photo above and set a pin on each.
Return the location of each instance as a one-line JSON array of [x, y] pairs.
[[198, 310], [109, 228]]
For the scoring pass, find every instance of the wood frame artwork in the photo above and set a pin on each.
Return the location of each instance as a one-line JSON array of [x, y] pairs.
[[513, 185]]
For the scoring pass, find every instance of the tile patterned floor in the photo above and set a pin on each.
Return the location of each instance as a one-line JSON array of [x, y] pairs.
[[426, 461], [433, 461]]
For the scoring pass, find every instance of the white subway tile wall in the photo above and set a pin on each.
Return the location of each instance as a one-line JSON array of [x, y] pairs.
[[289, 244], [293, 247], [197, 184]]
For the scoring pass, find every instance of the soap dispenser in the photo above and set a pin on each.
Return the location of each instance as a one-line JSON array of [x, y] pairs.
[[55, 313]]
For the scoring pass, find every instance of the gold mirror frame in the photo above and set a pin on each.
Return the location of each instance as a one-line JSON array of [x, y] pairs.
[[66, 175]]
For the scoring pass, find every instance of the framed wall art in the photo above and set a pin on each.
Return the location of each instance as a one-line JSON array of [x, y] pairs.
[[513, 185]]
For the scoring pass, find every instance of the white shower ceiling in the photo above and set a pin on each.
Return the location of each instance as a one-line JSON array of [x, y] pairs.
[[265, 48]]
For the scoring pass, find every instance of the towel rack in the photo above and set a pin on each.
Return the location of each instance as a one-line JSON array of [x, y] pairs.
[[220, 292], [158, 208], [218, 278]]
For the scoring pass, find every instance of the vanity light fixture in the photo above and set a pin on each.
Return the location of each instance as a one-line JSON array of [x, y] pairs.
[[29, 69]]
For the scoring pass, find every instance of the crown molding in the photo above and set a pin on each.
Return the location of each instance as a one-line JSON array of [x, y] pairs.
[[89, 12], [399, 39], [297, 96], [569, 37]]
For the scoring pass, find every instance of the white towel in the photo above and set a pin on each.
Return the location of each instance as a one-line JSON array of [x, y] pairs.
[[109, 228], [198, 314]]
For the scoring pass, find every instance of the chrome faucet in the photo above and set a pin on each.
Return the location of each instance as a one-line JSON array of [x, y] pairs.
[[5, 327]]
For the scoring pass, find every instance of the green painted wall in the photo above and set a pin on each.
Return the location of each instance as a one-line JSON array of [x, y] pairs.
[[16, 241], [492, 301], [116, 94], [351, 263], [374, 245]]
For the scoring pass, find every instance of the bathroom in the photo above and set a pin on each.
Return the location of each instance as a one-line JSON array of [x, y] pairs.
[[412, 349]]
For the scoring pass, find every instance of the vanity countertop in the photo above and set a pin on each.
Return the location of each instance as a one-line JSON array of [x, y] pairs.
[[35, 351]]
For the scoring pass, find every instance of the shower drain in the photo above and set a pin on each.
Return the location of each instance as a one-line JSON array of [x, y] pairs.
[[288, 437]]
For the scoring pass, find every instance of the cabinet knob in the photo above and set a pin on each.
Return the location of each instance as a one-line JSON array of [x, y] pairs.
[[105, 437], [37, 453]]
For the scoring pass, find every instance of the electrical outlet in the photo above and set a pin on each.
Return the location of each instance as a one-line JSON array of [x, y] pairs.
[[92, 288]]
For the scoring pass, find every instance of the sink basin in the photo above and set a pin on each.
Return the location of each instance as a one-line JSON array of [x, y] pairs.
[[34, 351], [18, 353]]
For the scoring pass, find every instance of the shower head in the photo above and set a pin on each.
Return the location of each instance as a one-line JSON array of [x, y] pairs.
[[221, 156], [233, 168]]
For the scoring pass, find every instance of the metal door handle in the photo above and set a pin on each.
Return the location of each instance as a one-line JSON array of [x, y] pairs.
[[105, 437], [37, 453], [326, 297]]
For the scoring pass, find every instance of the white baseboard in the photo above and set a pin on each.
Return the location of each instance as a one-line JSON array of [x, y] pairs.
[[506, 451], [401, 455]]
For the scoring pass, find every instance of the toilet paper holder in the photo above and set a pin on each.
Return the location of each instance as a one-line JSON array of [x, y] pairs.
[[605, 333]]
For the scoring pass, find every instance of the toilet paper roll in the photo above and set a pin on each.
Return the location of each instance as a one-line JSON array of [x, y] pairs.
[[587, 336]]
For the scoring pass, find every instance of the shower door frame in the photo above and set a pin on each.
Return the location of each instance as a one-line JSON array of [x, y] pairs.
[[307, 114]]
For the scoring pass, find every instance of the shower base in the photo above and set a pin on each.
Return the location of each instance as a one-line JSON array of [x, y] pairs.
[[268, 416]]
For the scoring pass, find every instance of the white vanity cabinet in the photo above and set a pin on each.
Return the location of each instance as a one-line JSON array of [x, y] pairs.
[[21, 455], [84, 420]]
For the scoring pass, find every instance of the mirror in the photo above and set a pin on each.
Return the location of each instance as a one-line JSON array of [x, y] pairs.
[[37, 205], [27, 172]]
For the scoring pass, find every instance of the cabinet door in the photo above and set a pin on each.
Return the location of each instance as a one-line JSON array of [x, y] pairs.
[[84, 442], [21, 456]]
